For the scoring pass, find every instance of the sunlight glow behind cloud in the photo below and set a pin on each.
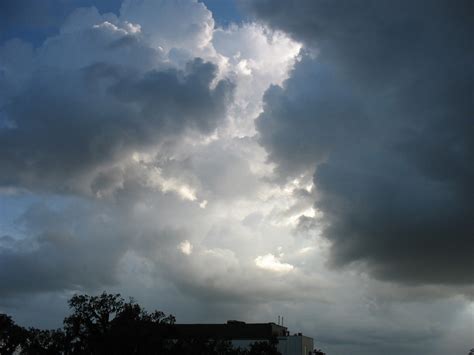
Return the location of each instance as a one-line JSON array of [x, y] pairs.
[[186, 247], [271, 263]]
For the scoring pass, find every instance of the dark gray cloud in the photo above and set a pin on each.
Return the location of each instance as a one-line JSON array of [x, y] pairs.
[[69, 248], [69, 123], [77, 244], [381, 109]]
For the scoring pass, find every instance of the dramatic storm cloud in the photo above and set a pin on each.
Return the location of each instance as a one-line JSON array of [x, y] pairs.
[[122, 139], [381, 109], [93, 96], [311, 159]]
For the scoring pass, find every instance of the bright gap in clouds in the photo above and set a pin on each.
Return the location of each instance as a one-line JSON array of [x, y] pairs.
[[271, 263], [186, 247]]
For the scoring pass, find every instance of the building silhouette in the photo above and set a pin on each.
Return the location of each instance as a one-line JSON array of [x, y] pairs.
[[242, 334]]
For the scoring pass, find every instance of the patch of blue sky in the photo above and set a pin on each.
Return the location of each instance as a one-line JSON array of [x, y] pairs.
[[225, 12], [34, 21]]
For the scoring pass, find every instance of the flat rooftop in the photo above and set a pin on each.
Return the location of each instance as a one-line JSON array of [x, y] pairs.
[[231, 330]]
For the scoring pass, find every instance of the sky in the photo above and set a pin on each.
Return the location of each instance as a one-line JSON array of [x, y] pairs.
[[243, 160]]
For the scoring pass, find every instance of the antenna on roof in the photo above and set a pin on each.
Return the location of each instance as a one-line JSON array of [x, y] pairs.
[[282, 321], [278, 320]]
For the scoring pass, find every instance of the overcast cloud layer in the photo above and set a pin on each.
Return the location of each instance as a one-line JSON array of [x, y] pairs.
[[314, 162]]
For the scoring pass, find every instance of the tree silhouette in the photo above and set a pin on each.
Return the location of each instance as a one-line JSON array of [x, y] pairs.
[[107, 324], [45, 342], [11, 335]]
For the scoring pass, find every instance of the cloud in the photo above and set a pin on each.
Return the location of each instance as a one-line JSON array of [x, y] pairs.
[[117, 129], [186, 25], [108, 86], [74, 248], [271, 263], [140, 123], [97, 95], [186, 247], [257, 58], [379, 109]]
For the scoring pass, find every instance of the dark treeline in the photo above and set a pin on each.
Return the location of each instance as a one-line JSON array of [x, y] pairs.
[[107, 324]]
